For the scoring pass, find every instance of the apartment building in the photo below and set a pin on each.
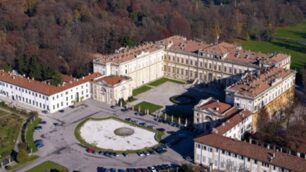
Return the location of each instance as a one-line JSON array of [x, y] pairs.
[[111, 89], [43, 96], [260, 88]]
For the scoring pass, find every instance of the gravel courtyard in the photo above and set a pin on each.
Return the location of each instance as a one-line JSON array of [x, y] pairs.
[[102, 134]]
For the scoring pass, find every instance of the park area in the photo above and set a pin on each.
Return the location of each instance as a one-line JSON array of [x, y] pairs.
[[289, 40], [10, 125], [48, 166]]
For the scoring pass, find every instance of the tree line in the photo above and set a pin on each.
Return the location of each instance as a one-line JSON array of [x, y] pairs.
[[61, 33]]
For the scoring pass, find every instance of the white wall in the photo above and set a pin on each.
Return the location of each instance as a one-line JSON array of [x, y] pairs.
[[228, 161], [51, 103]]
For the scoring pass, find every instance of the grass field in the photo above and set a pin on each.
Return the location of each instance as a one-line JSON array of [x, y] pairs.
[[163, 80], [289, 40], [10, 125], [29, 134], [147, 106], [140, 90], [48, 166]]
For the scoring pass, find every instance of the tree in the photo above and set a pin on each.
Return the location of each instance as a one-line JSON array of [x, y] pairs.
[[35, 69], [22, 156], [262, 118], [56, 79], [304, 78], [30, 7], [185, 168]]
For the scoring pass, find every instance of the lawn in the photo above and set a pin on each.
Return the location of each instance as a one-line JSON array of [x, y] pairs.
[[29, 134], [147, 106], [140, 90], [10, 125], [163, 80], [289, 40], [48, 166]]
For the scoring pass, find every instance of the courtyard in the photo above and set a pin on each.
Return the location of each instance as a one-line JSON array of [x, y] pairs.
[[116, 135], [174, 98], [62, 147]]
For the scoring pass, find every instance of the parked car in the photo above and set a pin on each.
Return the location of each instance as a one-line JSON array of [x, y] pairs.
[[39, 145], [101, 169], [43, 122], [38, 127], [90, 150], [188, 158]]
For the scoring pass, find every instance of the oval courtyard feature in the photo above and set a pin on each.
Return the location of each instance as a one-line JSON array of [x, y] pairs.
[[114, 134]]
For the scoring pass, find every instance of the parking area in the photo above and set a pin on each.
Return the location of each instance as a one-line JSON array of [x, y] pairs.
[[57, 141]]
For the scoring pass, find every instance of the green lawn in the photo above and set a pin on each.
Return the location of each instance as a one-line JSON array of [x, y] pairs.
[[47, 166], [163, 80], [29, 134], [140, 90], [290, 40], [147, 106], [10, 125]]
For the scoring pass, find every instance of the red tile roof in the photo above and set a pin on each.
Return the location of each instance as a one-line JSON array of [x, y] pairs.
[[126, 54], [253, 151], [113, 79], [236, 117], [253, 85], [42, 87], [215, 105]]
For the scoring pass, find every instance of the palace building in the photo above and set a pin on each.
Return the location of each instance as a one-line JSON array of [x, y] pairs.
[[111, 89], [177, 57], [256, 90]]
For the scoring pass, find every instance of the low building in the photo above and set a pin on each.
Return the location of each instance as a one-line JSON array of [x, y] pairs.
[[43, 96], [210, 113], [225, 149], [222, 153], [111, 89], [258, 89]]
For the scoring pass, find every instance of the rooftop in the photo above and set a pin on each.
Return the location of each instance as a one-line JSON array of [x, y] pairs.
[[125, 54], [236, 117], [42, 87], [255, 84], [253, 151], [213, 104], [112, 79], [230, 51]]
